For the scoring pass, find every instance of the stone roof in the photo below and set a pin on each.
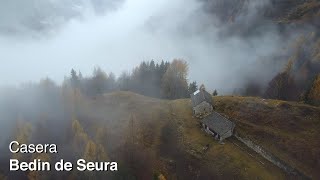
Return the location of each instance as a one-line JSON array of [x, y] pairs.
[[218, 123], [199, 96]]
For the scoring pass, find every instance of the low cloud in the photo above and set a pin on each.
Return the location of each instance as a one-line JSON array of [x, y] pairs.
[[136, 30]]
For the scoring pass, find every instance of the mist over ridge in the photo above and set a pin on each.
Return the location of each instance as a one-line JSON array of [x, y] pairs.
[[132, 31], [139, 82]]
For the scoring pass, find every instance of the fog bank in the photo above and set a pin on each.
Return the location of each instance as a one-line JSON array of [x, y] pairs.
[[118, 38]]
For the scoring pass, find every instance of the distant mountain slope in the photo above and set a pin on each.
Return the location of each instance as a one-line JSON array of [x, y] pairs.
[[297, 78], [297, 22], [306, 12], [251, 18], [291, 10]]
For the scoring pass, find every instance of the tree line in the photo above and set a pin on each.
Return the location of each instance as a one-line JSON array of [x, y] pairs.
[[160, 80]]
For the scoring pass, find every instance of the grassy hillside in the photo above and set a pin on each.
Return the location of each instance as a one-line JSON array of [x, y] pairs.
[[152, 138], [168, 130], [172, 141], [289, 130]]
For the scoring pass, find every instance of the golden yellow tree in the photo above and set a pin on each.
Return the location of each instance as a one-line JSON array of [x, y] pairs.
[[22, 134], [39, 175], [174, 81], [313, 96]]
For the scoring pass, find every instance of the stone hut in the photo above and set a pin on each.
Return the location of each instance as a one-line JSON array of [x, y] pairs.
[[218, 126], [202, 103]]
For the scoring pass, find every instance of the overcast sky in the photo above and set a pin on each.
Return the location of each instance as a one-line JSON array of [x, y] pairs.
[[49, 37]]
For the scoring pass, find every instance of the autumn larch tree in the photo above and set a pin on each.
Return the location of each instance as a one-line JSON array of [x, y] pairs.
[[313, 94], [174, 81]]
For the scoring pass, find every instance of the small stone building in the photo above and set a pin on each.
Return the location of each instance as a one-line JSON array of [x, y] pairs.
[[218, 126], [201, 102]]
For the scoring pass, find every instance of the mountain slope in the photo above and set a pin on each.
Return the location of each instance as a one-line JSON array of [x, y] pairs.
[[152, 138], [288, 130], [171, 140]]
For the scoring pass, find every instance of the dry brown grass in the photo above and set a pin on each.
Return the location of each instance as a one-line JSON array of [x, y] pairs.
[[173, 137], [171, 140], [228, 160], [287, 129]]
